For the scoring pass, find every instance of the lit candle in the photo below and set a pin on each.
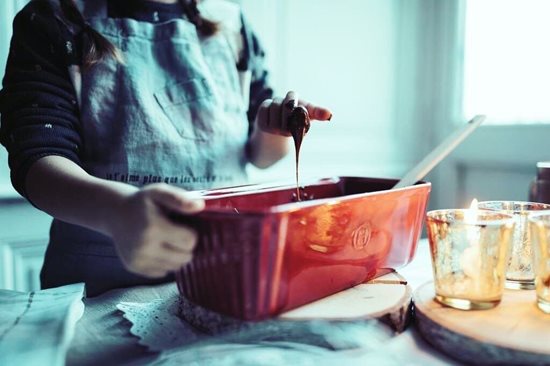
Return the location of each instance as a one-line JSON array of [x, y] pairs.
[[519, 274], [469, 251]]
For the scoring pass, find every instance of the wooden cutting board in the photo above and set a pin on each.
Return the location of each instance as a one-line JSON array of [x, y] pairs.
[[514, 332], [387, 298]]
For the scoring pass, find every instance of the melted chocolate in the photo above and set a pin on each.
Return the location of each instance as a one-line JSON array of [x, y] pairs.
[[298, 125]]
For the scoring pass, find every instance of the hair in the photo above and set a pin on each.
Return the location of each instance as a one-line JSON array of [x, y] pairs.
[[97, 48], [205, 26]]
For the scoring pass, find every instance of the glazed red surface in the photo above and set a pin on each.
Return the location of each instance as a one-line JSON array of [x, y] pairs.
[[258, 255]]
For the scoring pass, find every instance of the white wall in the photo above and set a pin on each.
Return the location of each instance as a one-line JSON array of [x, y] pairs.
[[341, 55]]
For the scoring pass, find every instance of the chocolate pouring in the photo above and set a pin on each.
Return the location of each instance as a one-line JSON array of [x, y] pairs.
[[298, 125]]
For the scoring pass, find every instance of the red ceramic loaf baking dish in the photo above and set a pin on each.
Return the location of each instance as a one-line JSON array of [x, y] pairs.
[[260, 253]]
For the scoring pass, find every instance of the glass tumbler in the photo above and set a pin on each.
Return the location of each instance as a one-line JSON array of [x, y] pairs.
[[469, 250], [539, 225], [519, 274]]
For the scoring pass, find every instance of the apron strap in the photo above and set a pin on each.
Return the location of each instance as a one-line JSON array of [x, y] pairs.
[[76, 78], [89, 9]]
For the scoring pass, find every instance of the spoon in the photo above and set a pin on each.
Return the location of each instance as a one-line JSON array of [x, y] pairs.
[[439, 153]]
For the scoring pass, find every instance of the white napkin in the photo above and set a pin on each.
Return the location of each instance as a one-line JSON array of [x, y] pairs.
[[36, 327], [159, 326]]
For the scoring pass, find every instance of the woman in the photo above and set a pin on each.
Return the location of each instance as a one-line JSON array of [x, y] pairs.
[[112, 109]]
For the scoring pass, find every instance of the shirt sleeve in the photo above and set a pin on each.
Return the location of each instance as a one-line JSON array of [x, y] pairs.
[[254, 60], [38, 108]]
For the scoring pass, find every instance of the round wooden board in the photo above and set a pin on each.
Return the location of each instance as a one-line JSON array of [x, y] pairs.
[[515, 332], [387, 298]]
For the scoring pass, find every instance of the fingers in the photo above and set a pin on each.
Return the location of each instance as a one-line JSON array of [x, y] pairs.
[[316, 112], [150, 273], [149, 242], [174, 198], [167, 251], [262, 117], [160, 267], [174, 238], [172, 255], [172, 262], [289, 103], [182, 241], [273, 114], [269, 117]]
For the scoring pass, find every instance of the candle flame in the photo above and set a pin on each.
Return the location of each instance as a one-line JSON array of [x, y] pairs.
[[470, 218], [471, 214], [471, 257]]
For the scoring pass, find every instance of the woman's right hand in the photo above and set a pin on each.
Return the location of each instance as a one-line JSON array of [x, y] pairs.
[[147, 241]]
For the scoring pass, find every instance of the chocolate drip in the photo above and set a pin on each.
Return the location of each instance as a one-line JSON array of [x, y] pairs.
[[298, 125]]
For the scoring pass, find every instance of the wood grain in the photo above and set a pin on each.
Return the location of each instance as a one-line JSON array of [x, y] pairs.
[[514, 332], [387, 298]]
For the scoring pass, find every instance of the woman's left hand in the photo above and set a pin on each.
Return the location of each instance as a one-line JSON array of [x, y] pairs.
[[273, 114]]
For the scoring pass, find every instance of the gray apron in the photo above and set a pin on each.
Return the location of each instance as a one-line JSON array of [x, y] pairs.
[[174, 112]]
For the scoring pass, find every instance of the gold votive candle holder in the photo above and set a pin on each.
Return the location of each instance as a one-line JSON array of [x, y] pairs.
[[469, 250], [519, 274], [539, 225]]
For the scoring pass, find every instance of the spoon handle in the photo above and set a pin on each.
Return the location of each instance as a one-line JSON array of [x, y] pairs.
[[439, 153]]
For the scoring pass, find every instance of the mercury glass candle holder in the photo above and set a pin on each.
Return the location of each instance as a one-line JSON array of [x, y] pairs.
[[519, 274], [539, 227], [469, 250]]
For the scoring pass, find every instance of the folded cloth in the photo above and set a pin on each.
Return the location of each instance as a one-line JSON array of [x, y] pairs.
[[36, 327]]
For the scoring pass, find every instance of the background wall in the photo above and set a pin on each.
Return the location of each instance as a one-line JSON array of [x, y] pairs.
[[342, 55]]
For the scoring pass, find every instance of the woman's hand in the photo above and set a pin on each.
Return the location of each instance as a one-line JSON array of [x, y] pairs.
[[273, 114], [147, 241], [269, 141]]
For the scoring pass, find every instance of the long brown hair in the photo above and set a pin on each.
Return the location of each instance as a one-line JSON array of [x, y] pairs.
[[96, 47]]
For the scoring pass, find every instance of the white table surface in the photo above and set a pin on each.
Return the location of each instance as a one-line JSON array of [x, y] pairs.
[[102, 336], [418, 272]]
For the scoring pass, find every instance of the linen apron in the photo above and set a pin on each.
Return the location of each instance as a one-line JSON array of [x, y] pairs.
[[174, 112]]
